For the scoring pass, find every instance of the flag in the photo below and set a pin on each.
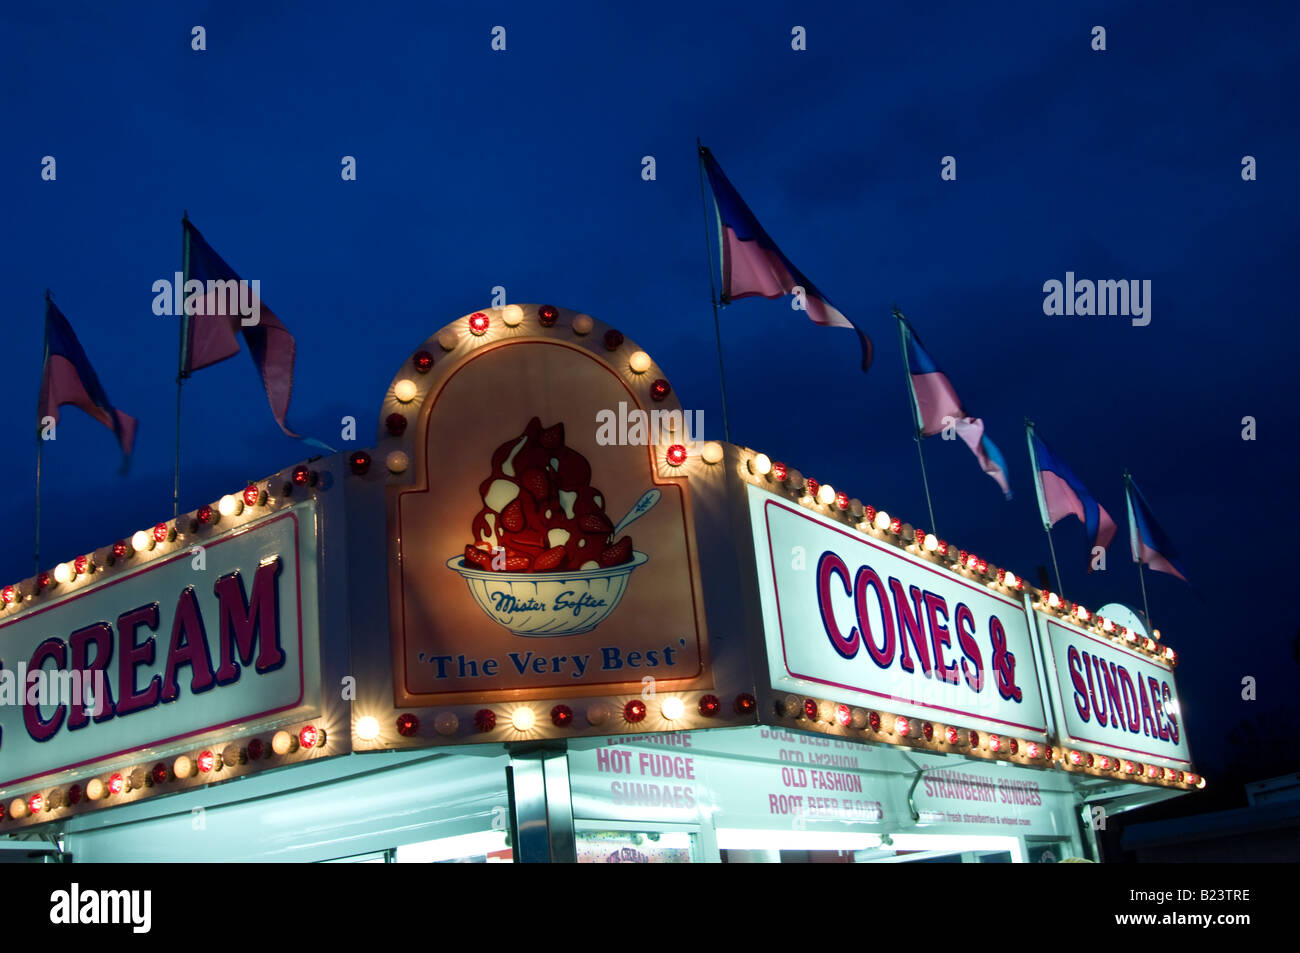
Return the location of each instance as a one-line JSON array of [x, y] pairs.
[[1062, 494], [935, 402], [213, 332], [753, 265], [1147, 540], [68, 378]]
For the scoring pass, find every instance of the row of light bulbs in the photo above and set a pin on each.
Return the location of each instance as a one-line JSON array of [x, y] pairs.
[[824, 715], [252, 497], [525, 718], [205, 765], [878, 523]]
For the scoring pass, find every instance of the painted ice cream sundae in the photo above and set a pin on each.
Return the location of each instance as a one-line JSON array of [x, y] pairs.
[[546, 559]]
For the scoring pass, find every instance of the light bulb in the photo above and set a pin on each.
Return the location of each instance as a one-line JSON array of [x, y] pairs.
[[639, 362], [712, 452], [229, 506], [883, 520], [513, 315], [141, 541], [405, 390], [672, 708], [367, 728], [826, 494], [523, 719]]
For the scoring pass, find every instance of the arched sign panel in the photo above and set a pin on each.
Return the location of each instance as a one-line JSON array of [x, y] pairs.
[[540, 550]]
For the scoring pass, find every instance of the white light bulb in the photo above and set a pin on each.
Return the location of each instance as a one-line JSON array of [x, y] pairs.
[[1010, 580], [367, 728], [513, 315], [639, 362], [447, 339], [883, 519], [826, 494], [141, 541], [761, 464], [582, 324], [712, 452], [405, 390], [931, 543], [397, 462], [673, 708], [63, 573], [523, 719], [230, 505]]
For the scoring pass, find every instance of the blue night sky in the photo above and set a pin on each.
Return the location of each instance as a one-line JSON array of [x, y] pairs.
[[523, 169]]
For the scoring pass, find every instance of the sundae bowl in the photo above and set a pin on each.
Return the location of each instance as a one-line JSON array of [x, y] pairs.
[[546, 604]]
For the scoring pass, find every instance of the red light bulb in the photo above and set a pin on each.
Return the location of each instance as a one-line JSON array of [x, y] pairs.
[[74, 794], [1033, 749], [407, 725], [485, 719], [779, 472], [842, 500], [634, 710], [973, 739], [1014, 746], [309, 736], [810, 709], [359, 462], [812, 486], [660, 389], [952, 735], [843, 715], [1076, 758], [676, 455], [869, 515], [422, 360], [36, 803], [745, 703], [710, 706], [927, 730], [613, 340], [120, 549], [873, 720], [895, 526], [561, 716], [478, 323], [204, 515], [995, 743], [207, 761], [902, 726], [396, 424], [547, 314], [252, 495], [160, 533], [9, 594], [43, 581], [256, 748], [982, 566], [116, 784], [159, 773], [80, 565], [302, 476]]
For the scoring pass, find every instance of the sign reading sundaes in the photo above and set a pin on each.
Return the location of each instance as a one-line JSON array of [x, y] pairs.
[[165, 653], [872, 626], [1114, 701]]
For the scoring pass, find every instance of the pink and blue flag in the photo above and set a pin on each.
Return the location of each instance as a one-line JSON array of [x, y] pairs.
[[68, 378], [1147, 540], [753, 265], [213, 333], [1062, 494], [937, 406]]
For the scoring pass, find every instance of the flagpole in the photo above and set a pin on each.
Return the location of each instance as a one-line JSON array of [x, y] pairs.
[[916, 414], [180, 366], [713, 294], [1142, 581], [40, 444], [1042, 507]]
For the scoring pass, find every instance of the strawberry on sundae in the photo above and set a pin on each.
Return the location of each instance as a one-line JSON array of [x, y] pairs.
[[540, 508]]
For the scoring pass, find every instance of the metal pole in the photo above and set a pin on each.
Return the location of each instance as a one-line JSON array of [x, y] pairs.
[[40, 442], [1137, 557], [916, 415], [181, 363], [713, 294], [1042, 503]]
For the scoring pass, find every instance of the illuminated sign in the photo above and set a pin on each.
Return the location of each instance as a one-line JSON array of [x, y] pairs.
[[530, 557], [215, 636], [1113, 701], [849, 618]]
